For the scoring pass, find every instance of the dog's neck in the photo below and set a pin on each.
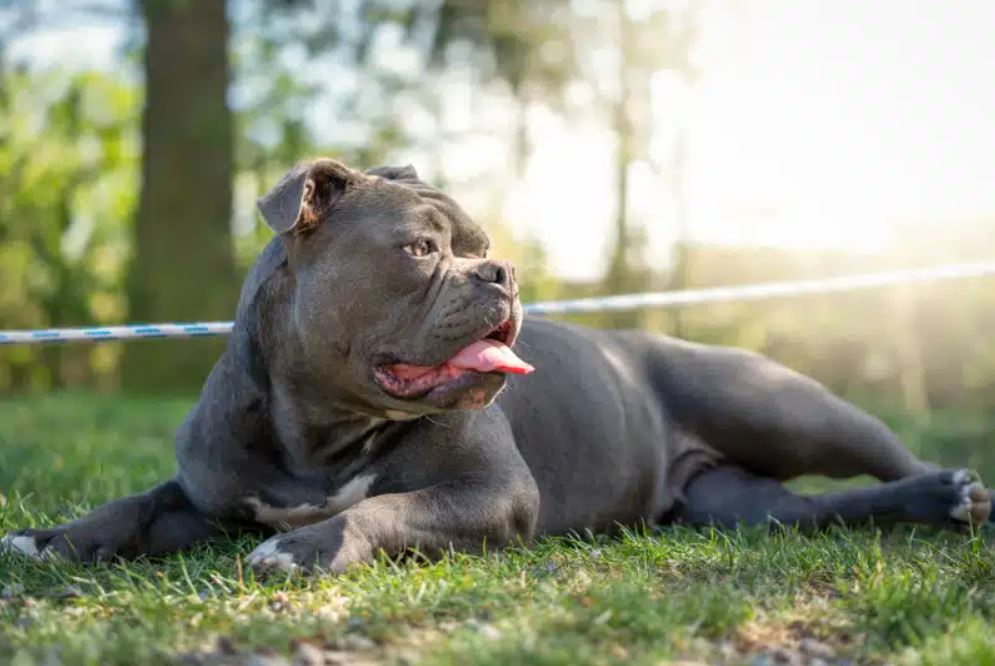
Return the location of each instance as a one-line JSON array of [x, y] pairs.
[[314, 433]]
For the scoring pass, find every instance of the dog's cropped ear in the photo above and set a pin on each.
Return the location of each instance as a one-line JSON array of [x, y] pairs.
[[394, 172], [298, 201]]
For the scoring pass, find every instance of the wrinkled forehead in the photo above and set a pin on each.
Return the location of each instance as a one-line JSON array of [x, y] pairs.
[[415, 204]]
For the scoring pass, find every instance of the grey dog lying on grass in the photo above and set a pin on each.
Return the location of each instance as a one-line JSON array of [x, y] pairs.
[[358, 408]]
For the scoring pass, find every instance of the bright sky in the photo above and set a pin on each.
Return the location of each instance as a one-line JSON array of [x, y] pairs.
[[843, 116], [812, 123]]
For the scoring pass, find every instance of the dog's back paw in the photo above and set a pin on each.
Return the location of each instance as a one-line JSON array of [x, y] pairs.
[[948, 496], [975, 503]]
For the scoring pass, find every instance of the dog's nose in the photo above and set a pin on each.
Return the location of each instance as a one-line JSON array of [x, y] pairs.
[[495, 272]]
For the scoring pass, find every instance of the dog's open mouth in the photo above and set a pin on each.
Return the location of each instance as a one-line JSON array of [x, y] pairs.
[[488, 354]]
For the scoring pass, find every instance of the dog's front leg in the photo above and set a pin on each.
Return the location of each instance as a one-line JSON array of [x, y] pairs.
[[464, 515], [159, 521]]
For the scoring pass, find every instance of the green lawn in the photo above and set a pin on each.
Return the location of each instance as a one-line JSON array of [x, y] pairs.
[[905, 596]]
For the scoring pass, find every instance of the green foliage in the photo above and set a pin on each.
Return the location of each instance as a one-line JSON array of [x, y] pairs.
[[68, 156]]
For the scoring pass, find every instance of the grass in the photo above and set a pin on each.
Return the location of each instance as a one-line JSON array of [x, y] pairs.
[[903, 596]]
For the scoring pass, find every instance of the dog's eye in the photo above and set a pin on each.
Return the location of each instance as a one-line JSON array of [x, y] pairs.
[[420, 248]]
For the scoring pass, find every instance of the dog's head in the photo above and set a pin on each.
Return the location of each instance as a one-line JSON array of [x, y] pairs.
[[394, 303]]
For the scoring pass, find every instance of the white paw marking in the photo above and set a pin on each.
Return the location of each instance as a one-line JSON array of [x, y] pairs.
[[285, 518], [25, 545], [268, 557], [961, 476]]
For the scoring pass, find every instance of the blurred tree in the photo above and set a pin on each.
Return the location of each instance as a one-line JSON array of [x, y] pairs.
[[648, 41], [527, 45], [183, 267]]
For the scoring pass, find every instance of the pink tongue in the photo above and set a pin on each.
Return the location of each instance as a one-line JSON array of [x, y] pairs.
[[489, 356]]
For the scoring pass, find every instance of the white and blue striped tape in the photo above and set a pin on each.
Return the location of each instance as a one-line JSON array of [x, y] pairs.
[[199, 329], [666, 299], [765, 290]]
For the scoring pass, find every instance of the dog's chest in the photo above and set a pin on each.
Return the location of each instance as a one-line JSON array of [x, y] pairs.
[[325, 469], [287, 513]]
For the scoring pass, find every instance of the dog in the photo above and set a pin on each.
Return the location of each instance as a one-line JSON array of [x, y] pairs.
[[361, 407]]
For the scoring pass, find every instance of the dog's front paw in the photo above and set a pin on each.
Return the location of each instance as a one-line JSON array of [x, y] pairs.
[[271, 556], [325, 547], [24, 543], [59, 543]]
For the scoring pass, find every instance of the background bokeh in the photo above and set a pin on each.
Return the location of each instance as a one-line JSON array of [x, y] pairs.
[[606, 146]]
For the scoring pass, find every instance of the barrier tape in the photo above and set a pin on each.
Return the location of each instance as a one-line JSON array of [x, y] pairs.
[[666, 299]]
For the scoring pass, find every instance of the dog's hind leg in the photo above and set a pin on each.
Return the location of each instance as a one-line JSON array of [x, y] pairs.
[[159, 521], [771, 420], [725, 496]]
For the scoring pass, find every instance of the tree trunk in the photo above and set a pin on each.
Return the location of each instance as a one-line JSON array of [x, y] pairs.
[[681, 274], [183, 267], [620, 278]]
